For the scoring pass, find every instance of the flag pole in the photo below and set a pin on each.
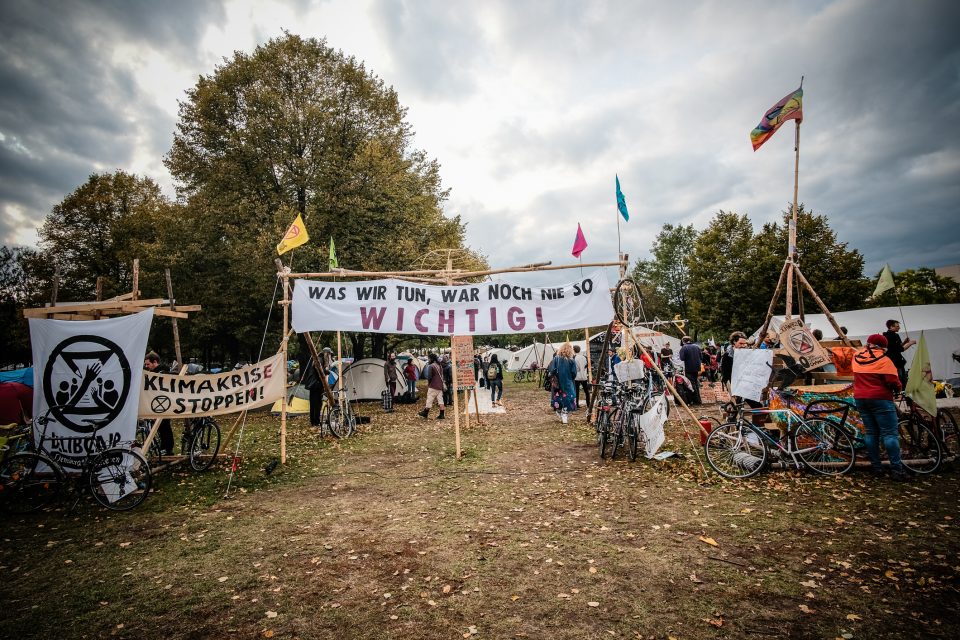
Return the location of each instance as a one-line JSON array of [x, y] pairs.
[[792, 236]]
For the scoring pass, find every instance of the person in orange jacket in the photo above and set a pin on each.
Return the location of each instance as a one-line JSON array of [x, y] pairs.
[[875, 381]]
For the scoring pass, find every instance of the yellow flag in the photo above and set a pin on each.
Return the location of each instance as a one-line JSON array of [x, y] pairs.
[[295, 236], [885, 282], [920, 381]]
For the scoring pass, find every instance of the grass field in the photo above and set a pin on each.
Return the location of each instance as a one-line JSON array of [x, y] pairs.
[[530, 535]]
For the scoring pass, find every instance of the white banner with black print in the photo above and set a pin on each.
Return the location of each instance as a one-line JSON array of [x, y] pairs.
[[400, 306], [87, 374]]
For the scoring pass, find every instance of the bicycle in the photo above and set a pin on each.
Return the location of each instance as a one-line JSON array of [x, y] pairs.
[[118, 478], [525, 375], [201, 441], [626, 421], [741, 449], [339, 418], [921, 448]]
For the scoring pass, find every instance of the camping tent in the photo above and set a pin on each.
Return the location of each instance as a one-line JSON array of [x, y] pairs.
[[417, 362], [298, 401], [538, 353], [503, 355], [940, 324], [363, 379]]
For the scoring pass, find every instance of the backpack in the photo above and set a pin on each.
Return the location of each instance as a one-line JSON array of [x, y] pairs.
[[492, 372]]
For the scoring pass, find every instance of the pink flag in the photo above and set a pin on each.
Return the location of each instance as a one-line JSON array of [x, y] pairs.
[[580, 243]]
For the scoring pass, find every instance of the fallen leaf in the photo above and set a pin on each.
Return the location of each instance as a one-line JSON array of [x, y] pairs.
[[710, 541], [853, 617], [809, 584], [222, 579], [806, 609], [271, 614], [268, 633], [447, 588], [514, 598], [593, 604], [592, 569], [717, 622]]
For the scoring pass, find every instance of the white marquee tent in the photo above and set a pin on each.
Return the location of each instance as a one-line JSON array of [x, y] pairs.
[[363, 379], [940, 324]]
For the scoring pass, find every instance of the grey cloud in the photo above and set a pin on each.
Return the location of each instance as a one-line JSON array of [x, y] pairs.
[[436, 46]]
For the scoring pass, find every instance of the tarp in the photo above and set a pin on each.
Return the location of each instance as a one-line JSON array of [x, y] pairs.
[[363, 379], [538, 353], [23, 376], [940, 324]]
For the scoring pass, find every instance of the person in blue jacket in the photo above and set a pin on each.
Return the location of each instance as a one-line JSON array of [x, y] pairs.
[[563, 394]]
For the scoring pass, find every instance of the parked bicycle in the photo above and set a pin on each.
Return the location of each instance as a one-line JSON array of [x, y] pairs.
[[526, 375], [340, 418], [117, 477], [741, 449], [200, 442]]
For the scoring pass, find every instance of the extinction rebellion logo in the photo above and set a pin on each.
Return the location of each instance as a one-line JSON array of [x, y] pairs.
[[86, 381]]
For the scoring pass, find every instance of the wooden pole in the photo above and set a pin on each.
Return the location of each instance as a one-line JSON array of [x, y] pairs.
[[340, 368], [156, 421], [283, 348], [449, 276], [823, 307], [236, 422], [176, 330], [476, 403], [56, 286], [136, 279], [792, 235], [97, 314], [773, 301], [319, 367]]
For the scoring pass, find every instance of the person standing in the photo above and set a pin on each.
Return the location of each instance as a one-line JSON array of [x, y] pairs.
[[410, 373], [390, 376], [875, 381], [434, 386], [896, 347], [692, 361], [581, 381], [151, 363], [479, 371], [565, 370], [447, 365], [494, 375]]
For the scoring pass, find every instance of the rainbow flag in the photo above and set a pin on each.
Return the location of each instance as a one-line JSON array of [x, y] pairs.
[[789, 108]]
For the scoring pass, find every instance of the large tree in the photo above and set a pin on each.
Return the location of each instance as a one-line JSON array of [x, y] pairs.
[[298, 127], [667, 274], [918, 286]]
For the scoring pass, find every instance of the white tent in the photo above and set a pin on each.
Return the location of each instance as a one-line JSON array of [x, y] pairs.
[[940, 324], [363, 379], [503, 355], [538, 353]]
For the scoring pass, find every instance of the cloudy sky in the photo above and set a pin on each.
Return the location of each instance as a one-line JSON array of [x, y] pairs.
[[532, 107]]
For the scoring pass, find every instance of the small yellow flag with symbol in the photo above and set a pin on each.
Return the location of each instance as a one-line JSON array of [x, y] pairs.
[[920, 386], [295, 236]]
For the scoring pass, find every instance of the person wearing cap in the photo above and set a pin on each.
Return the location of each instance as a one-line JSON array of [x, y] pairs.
[[390, 376], [875, 381], [692, 359]]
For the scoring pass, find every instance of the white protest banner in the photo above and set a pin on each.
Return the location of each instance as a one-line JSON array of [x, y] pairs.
[[751, 372], [651, 424], [88, 373], [399, 306], [797, 340], [166, 395]]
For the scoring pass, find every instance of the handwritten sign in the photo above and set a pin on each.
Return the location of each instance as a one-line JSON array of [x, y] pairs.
[[798, 341], [462, 353], [751, 372]]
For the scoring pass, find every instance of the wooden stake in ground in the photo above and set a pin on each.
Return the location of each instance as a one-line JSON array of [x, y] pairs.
[[283, 348]]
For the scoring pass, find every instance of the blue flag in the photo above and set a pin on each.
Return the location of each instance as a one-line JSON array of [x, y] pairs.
[[621, 202]]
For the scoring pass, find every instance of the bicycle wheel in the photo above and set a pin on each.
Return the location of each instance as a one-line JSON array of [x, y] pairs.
[[949, 435], [603, 431], [341, 422], [633, 436], [28, 482], [735, 450], [205, 442], [154, 454], [824, 448], [920, 450], [518, 376], [119, 479], [628, 304], [616, 437]]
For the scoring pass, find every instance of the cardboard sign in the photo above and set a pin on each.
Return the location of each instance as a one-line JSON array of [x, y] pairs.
[[751, 372], [651, 423], [462, 352], [797, 340]]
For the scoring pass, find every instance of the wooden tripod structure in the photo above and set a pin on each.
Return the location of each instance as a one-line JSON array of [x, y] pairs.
[[790, 273]]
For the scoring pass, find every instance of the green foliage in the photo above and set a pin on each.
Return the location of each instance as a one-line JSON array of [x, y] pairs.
[[665, 280], [14, 296], [917, 286]]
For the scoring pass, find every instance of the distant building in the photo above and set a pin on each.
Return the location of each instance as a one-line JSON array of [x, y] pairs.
[[949, 271]]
